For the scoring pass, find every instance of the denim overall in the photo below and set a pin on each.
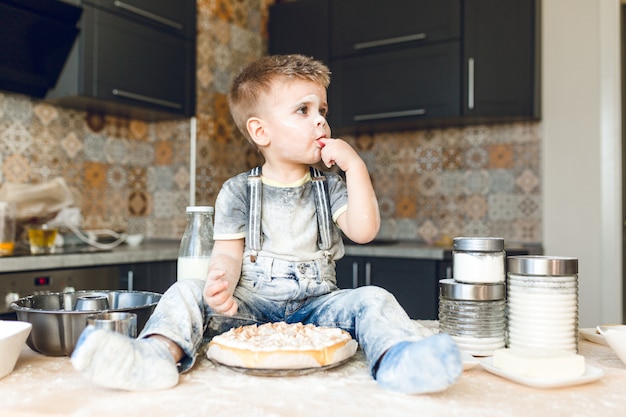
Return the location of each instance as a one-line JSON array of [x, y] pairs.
[[272, 290]]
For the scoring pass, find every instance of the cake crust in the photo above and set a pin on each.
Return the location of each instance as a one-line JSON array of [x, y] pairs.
[[281, 346]]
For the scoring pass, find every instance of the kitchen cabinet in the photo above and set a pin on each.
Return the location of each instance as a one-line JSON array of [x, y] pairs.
[[372, 89], [411, 63], [414, 282], [500, 59], [133, 58], [156, 276]]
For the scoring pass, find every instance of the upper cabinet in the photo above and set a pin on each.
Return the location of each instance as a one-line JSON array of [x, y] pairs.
[[501, 59], [408, 63], [133, 58]]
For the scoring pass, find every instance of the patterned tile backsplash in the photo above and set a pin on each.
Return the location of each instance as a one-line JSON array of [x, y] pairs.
[[134, 176]]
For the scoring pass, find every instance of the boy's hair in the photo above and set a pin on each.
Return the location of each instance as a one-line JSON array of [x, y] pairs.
[[255, 79]]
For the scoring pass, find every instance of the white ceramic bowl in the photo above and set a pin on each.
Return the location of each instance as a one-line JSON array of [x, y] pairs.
[[615, 336], [134, 240], [13, 335]]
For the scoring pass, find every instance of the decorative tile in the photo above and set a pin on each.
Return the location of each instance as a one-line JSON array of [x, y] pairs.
[[16, 169], [163, 152], [477, 182], [71, 145], [95, 175], [138, 203], [500, 155], [502, 181], [502, 207], [476, 207], [116, 151], [528, 181]]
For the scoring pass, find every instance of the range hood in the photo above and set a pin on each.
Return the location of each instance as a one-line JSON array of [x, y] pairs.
[[35, 40]]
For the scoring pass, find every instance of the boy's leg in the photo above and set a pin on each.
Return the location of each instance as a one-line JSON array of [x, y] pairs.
[[401, 359], [146, 363]]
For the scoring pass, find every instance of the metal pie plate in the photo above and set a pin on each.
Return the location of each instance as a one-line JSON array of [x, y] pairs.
[[281, 372]]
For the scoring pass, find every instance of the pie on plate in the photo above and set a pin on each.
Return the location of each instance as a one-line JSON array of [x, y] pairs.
[[281, 346]]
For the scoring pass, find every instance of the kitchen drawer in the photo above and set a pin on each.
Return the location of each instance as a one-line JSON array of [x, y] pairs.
[[397, 86], [366, 26], [178, 16]]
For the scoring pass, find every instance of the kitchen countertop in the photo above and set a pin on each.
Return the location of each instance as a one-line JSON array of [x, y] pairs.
[[420, 250], [167, 250], [49, 386], [148, 251]]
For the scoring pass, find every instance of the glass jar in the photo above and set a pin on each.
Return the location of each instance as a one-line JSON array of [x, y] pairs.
[[542, 302], [478, 260], [8, 221], [196, 244], [473, 315]]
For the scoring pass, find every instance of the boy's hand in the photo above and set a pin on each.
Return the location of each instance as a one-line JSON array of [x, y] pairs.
[[217, 294], [338, 152]]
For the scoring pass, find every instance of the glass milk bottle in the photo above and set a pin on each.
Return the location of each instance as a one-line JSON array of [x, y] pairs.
[[196, 244]]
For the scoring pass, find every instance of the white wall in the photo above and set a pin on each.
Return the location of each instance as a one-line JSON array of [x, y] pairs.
[[582, 148]]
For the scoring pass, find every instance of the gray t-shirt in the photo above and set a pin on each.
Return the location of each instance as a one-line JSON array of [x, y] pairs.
[[289, 228]]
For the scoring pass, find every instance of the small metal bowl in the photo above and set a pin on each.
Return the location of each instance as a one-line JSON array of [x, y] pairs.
[[57, 324]]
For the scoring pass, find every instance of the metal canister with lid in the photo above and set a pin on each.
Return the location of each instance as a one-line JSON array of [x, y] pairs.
[[543, 302], [473, 315], [478, 260]]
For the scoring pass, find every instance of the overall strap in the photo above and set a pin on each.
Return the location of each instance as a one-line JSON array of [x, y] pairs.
[[322, 206], [255, 194]]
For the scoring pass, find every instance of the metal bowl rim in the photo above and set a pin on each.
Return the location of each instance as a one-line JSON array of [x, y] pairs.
[[16, 307]]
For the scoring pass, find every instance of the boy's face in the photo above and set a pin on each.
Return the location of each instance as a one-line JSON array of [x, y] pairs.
[[294, 115]]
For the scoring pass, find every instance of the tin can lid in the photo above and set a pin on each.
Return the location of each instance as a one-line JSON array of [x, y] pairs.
[[454, 290], [542, 265], [480, 244], [199, 209]]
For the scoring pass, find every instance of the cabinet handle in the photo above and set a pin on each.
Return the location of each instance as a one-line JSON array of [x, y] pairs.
[[140, 97], [470, 83], [148, 15], [389, 115], [131, 278], [368, 273], [389, 41], [355, 274]]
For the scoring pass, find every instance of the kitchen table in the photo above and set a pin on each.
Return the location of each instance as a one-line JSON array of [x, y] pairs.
[[49, 386]]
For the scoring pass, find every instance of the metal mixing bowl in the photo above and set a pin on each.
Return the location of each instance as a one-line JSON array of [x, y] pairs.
[[57, 324]]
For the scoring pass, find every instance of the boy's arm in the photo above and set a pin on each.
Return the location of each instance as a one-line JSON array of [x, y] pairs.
[[361, 221], [223, 276]]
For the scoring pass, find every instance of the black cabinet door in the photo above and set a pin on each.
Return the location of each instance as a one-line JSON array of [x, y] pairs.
[[396, 87], [138, 65], [122, 67], [347, 270], [300, 27], [413, 282], [148, 276], [500, 59], [178, 17], [368, 26]]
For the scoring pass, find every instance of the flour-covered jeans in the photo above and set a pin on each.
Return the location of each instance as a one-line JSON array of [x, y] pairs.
[[277, 290]]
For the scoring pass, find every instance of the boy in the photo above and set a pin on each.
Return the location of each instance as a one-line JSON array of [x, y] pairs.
[[275, 250]]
